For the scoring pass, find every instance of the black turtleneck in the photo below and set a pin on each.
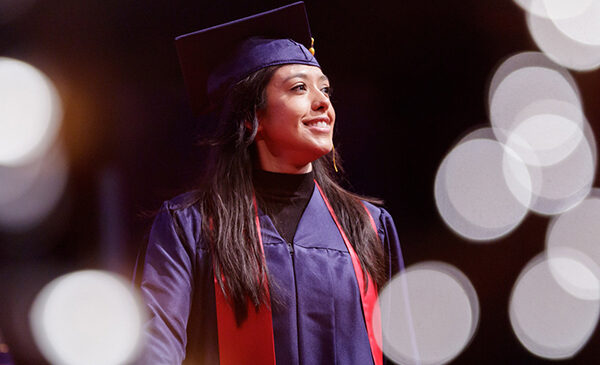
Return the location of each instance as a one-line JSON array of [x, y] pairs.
[[283, 197]]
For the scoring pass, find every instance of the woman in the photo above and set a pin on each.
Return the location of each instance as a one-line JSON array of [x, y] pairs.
[[270, 260]]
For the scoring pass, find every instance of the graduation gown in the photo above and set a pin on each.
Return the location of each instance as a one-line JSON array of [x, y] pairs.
[[318, 317]]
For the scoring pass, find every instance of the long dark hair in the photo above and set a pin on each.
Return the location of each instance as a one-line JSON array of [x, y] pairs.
[[226, 201]]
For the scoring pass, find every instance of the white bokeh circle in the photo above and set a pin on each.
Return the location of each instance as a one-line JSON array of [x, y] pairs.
[[429, 314], [583, 27], [30, 112], [577, 232], [548, 320], [563, 50], [476, 194], [555, 9], [88, 317], [30, 192], [523, 81]]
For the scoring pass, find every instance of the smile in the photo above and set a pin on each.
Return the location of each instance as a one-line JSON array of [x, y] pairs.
[[321, 124]]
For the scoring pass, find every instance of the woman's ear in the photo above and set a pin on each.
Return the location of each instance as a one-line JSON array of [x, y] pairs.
[[249, 123]]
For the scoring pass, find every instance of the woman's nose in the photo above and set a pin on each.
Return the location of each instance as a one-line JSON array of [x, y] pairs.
[[320, 100]]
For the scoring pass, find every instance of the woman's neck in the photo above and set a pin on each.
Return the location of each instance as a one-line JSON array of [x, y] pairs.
[[284, 168], [280, 185], [283, 197]]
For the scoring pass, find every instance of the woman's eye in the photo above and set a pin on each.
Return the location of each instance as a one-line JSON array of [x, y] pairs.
[[326, 90], [299, 87]]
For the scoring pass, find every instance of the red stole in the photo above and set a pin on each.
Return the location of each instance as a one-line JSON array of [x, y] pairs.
[[253, 340]]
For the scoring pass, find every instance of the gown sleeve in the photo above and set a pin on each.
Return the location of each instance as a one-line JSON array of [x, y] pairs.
[[391, 243], [167, 288], [386, 229]]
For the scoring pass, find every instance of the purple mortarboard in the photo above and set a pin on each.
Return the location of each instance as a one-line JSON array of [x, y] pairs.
[[214, 59]]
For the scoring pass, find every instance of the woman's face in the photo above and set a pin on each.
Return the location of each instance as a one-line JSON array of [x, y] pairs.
[[296, 125]]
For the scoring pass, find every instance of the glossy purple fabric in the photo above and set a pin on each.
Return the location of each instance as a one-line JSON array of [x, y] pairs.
[[252, 55], [318, 320], [227, 46]]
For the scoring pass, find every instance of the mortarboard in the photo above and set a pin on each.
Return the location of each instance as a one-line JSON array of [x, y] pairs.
[[214, 59]]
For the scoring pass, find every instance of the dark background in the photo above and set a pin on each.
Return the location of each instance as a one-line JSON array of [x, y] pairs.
[[410, 78]]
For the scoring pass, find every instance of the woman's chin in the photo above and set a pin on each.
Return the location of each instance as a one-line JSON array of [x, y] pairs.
[[321, 151]]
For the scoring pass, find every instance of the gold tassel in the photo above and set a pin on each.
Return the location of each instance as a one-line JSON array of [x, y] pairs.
[[312, 46], [334, 165]]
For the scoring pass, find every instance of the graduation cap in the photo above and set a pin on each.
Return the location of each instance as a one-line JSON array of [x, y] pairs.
[[216, 58]]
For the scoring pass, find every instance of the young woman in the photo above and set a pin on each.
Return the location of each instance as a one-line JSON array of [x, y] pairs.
[[270, 260]]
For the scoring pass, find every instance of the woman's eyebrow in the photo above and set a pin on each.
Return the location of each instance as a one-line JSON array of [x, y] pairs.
[[303, 75]]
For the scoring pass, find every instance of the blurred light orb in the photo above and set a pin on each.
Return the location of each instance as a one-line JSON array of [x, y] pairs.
[[30, 112], [523, 80], [578, 232], [429, 314], [555, 9], [17, 180], [565, 184], [524, 60], [548, 320], [546, 132], [88, 317], [28, 193], [561, 49], [535, 110], [583, 27], [575, 272], [482, 190]]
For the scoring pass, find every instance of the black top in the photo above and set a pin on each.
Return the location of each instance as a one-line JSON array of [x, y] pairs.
[[283, 197]]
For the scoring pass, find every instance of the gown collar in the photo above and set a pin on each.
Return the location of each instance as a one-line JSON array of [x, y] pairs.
[[279, 185]]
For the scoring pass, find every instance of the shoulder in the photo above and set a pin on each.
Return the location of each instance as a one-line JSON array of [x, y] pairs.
[[388, 236], [380, 215], [187, 200], [182, 216], [374, 210]]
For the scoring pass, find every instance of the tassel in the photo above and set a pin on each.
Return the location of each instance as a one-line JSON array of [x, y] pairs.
[[334, 164]]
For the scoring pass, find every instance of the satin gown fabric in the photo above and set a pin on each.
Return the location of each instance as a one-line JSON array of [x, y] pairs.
[[316, 307]]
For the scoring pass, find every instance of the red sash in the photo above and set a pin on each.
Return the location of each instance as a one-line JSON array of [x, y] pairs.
[[253, 340]]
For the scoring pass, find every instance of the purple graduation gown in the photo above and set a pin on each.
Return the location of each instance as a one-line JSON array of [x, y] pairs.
[[318, 318]]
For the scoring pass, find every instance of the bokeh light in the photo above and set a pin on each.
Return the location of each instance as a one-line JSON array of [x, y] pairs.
[[577, 231], [575, 272], [561, 49], [563, 185], [535, 109], [482, 190], [547, 319], [525, 79], [429, 314], [29, 193], [30, 112], [546, 132], [583, 27], [555, 9], [88, 317]]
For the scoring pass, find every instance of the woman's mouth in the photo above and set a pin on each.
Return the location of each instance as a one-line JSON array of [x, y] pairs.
[[318, 125]]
